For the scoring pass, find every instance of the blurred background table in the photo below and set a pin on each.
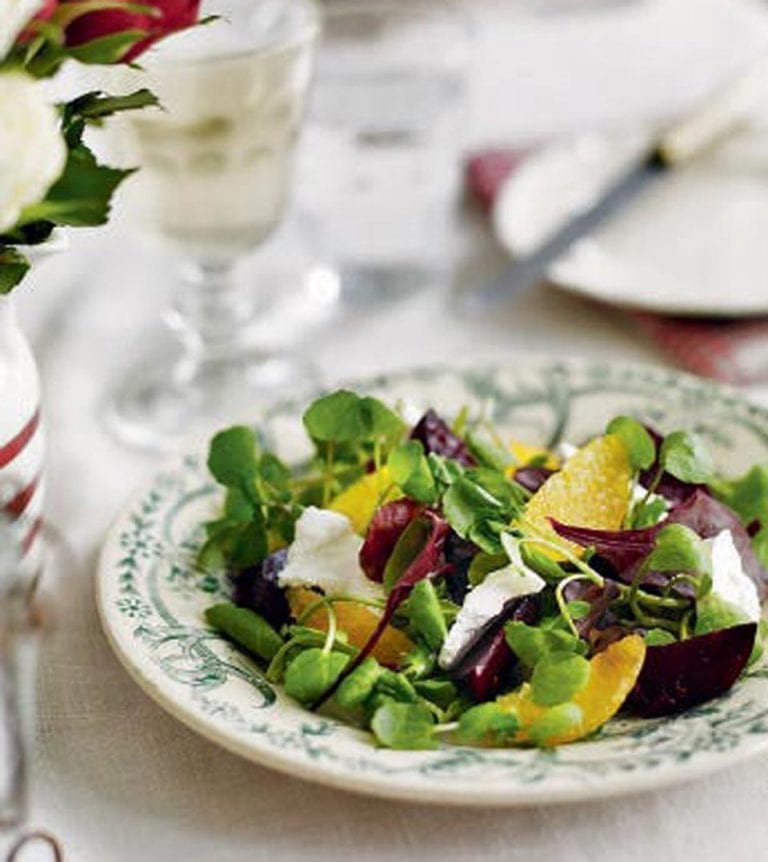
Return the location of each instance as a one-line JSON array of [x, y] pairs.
[[115, 776]]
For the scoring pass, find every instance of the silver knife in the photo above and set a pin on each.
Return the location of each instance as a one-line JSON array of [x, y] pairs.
[[715, 118]]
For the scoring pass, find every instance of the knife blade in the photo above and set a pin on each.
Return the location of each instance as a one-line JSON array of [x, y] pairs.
[[719, 115]]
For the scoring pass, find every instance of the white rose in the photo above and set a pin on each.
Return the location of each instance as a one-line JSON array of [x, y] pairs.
[[32, 150], [14, 17]]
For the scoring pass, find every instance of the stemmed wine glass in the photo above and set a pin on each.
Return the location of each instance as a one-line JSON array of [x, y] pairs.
[[215, 173]]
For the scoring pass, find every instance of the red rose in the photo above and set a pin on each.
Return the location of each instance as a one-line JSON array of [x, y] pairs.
[[47, 8], [168, 17]]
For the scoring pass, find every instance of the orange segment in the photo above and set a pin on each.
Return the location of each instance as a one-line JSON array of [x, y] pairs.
[[592, 490], [612, 675], [357, 621], [524, 453], [361, 499]]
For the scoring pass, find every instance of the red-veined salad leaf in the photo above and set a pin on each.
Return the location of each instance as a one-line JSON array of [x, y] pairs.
[[384, 531], [428, 563], [621, 548], [701, 512], [435, 435], [532, 478]]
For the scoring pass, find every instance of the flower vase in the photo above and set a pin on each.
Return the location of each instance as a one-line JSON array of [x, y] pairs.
[[22, 443]]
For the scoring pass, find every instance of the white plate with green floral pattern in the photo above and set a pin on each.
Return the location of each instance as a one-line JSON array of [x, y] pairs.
[[151, 600]]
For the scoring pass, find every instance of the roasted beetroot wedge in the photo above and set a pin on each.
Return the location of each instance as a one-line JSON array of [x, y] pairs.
[[680, 675]]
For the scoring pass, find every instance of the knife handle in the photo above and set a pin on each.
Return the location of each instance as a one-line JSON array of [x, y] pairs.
[[725, 109]]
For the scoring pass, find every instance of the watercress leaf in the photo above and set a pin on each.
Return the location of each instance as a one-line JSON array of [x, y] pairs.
[[488, 723], [214, 551], [246, 628], [275, 474], [508, 494], [487, 452], [395, 686], [359, 685], [678, 549], [713, 613], [419, 663], [305, 636], [760, 545], [380, 421], [483, 564], [647, 514], [445, 470], [410, 470], [641, 450], [309, 676], [405, 726], [441, 692], [541, 563], [685, 457], [336, 418], [748, 495], [658, 637], [578, 609], [426, 614], [466, 503], [557, 677], [487, 535], [233, 458], [410, 544], [532, 643], [237, 505], [249, 544], [555, 722]]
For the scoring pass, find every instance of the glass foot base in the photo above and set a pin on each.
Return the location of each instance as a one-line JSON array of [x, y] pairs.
[[367, 286], [166, 412]]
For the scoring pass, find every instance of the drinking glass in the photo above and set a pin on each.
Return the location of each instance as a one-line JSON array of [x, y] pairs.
[[380, 159], [20, 623], [215, 173]]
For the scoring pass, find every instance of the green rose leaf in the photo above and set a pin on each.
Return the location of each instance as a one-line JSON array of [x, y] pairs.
[[13, 267]]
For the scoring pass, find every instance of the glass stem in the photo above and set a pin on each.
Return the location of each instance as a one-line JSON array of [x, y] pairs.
[[210, 313]]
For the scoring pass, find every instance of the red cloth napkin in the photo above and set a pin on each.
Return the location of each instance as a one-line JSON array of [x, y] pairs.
[[732, 351]]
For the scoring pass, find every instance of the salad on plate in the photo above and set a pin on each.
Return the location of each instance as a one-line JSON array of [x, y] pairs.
[[433, 582]]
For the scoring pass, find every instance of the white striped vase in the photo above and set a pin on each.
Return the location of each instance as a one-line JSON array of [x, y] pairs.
[[22, 443]]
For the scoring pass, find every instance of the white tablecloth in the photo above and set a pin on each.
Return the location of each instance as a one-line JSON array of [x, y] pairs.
[[115, 776]]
